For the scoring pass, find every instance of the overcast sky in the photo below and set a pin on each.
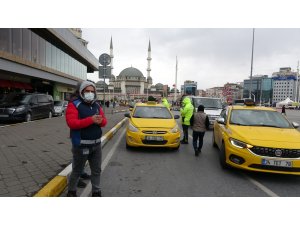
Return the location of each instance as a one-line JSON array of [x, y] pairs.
[[211, 57]]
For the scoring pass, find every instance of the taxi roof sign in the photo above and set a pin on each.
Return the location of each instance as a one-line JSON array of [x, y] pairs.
[[151, 102], [249, 102]]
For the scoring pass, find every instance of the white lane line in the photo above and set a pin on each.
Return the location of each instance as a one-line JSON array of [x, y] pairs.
[[257, 184], [262, 187], [88, 189]]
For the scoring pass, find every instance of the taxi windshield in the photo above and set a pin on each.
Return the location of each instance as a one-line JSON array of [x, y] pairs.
[[261, 118], [152, 112]]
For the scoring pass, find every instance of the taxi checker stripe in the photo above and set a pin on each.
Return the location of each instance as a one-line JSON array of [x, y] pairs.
[[57, 185]]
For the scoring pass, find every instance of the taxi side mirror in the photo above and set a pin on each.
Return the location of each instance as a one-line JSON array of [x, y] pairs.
[[176, 117], [127, 115], [130, 109], [221, 120], [295, 125]]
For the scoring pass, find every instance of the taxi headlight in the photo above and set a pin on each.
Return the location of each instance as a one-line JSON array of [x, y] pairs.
[[175, 129], [239, 144], [132, 128]]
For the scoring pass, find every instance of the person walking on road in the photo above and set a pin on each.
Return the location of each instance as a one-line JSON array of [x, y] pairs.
[[186, 114], [85, 118], [200, 125], [283, 110]]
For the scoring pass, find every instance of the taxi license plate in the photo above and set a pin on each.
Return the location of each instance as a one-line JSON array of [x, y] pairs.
[[280, 163], [154, 138]]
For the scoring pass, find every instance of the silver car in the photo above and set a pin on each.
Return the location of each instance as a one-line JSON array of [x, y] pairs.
[[60, 107]]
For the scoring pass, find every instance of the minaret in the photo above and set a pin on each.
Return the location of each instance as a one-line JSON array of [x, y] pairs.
[[149, 79], [149, 60], [111, 56]]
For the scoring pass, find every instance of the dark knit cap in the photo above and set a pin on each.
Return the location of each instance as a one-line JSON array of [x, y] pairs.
[[201, 108]]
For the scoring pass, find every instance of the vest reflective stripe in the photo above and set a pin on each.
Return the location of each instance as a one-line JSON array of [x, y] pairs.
[[89, 142]]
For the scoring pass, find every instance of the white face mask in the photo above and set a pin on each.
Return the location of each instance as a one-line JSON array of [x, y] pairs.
[[89, 96]]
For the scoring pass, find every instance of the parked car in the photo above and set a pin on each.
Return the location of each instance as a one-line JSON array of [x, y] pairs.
[[60, 108], [26, 106], [257, 139], [152, 125]]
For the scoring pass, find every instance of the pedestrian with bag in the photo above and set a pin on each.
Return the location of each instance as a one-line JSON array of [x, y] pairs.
[[85, 118], [199, 123], [186, 114]]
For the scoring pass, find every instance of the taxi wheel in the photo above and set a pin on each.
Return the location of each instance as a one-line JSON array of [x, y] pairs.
[[176, 149], [127, 146], [222, 153], [214, 141]]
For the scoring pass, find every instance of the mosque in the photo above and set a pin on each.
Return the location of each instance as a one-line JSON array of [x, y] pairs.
[[130, 83]]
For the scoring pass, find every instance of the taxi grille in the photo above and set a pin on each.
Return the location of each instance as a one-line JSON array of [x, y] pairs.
[[275, 168], [146, 142], [154, 132], [285, 153]]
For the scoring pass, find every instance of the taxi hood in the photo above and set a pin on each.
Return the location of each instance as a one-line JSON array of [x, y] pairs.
[[151, 123], [267, 136]]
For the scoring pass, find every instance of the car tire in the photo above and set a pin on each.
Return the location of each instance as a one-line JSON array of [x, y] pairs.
[[28, 117], [176, 149], [214, 144], [222, 155], [127, 146], [50, 115]]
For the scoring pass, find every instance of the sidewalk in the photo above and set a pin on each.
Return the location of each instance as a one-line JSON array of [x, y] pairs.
[[33, 153]]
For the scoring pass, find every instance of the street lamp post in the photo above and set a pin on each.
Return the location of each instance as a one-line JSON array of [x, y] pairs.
[[253, 97], [250, 92]]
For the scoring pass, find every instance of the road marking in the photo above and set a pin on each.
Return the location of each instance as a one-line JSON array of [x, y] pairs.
[[262, 187], [88, 189]]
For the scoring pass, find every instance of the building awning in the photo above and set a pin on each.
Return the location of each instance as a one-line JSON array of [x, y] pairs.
[[14, 84]]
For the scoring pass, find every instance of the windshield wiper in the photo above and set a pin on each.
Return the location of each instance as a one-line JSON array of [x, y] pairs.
[[158, 117], [264, 125], [240, 124], [213, 107]]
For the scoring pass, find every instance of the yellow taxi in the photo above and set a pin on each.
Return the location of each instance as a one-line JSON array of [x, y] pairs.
[[257, 139], [152, 125]]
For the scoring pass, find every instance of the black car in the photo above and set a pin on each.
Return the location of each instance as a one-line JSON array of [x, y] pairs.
[[26, 106]]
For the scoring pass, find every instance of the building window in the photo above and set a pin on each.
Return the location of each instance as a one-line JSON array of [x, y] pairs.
[[5, 40], [42, 51], [17, 42], [26, 44], [34, 48], [48, 54], [53, 57]]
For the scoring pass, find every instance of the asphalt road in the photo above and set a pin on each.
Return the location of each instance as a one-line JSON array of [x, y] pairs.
[[168, 173]]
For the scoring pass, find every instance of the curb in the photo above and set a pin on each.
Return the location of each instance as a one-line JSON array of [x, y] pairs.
[[57, 185]]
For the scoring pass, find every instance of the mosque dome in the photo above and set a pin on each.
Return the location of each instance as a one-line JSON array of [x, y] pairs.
[[131, 72], [159, 86]]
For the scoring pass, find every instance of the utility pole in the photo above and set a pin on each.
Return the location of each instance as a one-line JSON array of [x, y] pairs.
[[250, 91], [175, 88], [297, 87]]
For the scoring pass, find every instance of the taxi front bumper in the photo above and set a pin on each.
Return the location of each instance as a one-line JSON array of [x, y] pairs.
[[138, 139], [246, 159]]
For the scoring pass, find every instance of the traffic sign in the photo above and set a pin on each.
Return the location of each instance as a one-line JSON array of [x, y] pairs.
[[104, 59], [104, 72]]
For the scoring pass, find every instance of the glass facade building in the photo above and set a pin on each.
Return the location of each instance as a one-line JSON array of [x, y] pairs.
[[262, 89], [47, 60]]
